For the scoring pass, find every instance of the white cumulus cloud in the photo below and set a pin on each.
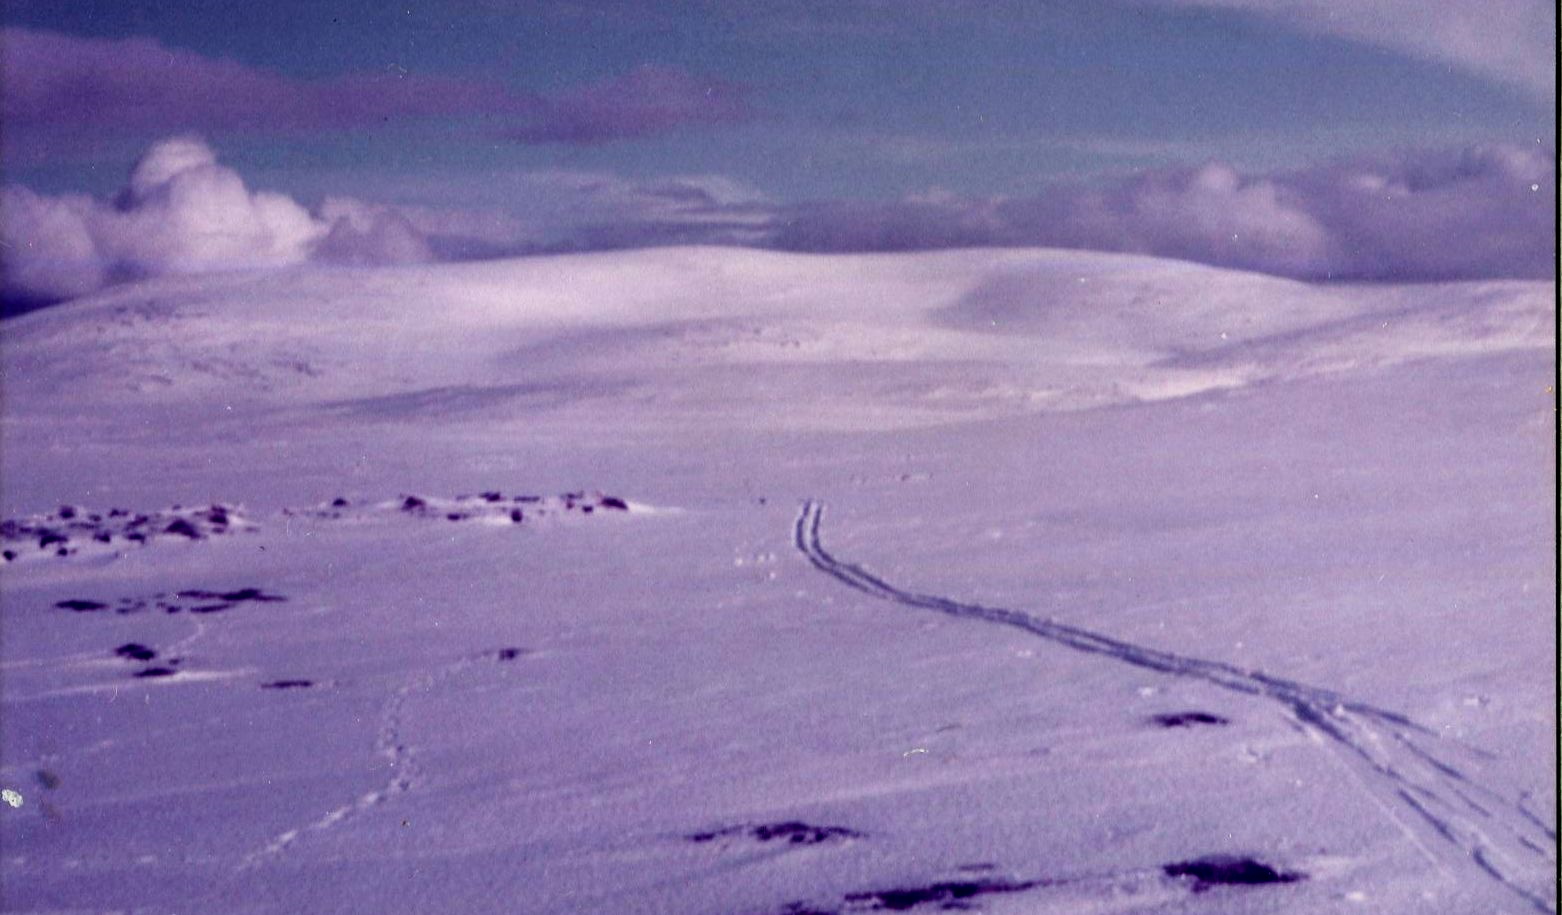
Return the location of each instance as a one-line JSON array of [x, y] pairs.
[[184, 213], [181, 212], [48, 251]]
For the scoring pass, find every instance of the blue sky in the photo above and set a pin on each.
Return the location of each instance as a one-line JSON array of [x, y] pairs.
[[565, 120], [869, 99]]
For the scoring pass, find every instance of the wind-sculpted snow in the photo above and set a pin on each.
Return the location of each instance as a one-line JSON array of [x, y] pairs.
[[1430, 785]]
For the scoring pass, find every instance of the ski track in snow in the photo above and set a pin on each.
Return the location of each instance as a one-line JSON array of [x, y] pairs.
[[1455, 821]]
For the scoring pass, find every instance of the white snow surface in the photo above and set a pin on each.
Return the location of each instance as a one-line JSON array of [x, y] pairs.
[[1030, 581]]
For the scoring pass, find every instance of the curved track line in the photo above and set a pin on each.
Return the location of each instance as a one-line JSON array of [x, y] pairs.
[[1397, 760]]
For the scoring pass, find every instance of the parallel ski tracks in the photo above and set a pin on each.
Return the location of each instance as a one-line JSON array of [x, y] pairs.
[[1459, 824]]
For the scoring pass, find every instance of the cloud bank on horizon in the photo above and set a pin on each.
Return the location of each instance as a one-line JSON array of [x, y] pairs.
[[1478, 212]]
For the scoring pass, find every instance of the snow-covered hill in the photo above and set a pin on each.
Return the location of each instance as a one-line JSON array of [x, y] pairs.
[[702, 580]]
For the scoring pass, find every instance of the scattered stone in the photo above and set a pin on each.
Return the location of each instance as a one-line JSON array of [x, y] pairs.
[[234, 597], [791, 832], [947, 895], [1228, 870], [1188, 719], [135, 651], [72, 530], [154, 672], [183, 528], [803, 908], [81, 606], [192, 601], [494, 505], [801, 833], [288, 684]]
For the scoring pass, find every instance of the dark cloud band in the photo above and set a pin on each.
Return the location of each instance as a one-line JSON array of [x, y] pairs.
[[62, 90]]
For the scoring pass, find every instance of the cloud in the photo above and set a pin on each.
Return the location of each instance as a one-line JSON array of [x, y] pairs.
[[576, 210], [648, 100], [1511, 41], [63, 90], [182, 212], [1477, 212], [363, 233], [1210, 214], [47, 251], [1483, 211], [510, 212], [59, 80]]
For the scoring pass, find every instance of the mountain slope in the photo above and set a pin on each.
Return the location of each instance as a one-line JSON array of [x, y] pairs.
[[1074, 506]]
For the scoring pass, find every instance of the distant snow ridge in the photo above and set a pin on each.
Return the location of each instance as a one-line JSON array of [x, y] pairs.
[[73, 531]]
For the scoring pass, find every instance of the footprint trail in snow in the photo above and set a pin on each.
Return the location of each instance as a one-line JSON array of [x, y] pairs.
[[392, 745]]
